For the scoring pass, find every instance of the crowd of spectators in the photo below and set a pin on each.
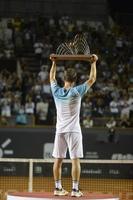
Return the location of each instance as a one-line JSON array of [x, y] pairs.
[[23, 92]]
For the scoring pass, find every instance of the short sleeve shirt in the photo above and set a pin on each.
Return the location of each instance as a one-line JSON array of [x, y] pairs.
[[68, 103]]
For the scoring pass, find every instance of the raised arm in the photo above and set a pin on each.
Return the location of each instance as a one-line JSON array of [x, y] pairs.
[[53, 71], [93, 71]]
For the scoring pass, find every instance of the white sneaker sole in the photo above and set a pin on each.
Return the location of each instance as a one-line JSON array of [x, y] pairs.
[[76, 194], [59, 193]]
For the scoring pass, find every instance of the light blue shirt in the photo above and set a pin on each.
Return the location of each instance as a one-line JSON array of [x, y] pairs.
[[68, 104]]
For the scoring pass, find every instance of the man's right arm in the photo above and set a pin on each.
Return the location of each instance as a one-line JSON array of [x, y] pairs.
[[53, 71], [93, 72]]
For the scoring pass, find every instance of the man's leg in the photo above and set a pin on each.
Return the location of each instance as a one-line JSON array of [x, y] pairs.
[[57, 171], [76, 170]]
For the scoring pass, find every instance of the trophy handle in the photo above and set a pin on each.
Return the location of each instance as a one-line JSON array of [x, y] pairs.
[[77, 57]]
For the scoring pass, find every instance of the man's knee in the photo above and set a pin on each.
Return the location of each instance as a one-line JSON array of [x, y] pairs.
[[75, 161], [58, 161]]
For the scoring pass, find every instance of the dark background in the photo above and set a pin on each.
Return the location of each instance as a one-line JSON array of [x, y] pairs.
[[121, 11]]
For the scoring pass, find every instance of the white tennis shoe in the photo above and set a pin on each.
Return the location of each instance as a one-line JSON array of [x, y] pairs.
[[76, 193], [60, 192]]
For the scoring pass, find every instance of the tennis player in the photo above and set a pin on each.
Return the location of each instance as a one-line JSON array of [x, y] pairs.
[[68, 131]]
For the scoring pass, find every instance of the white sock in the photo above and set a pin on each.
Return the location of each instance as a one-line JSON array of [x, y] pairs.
[[75, 185], [58, 184]]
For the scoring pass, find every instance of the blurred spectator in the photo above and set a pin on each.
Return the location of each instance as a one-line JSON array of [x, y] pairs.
[[130, 103], [43, 74], [119, 43], [41, 112], [47, 49], [99, 107], [125, 108], [111, 125], [21, 118], [46, 91], [18, 42], [36, 89], [38, 49], [17, 23], [88, 122], [8, 34], [5, 104], [16, 105], [9, 50], [3, 121], [29, 106], [114, 108], [86, 107], [124, 122], [28, 39]]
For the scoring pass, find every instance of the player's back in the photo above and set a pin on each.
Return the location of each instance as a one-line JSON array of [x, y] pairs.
[[68, 103], [68, 108]]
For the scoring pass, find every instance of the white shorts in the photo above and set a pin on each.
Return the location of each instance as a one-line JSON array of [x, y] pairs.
[[71, 141]]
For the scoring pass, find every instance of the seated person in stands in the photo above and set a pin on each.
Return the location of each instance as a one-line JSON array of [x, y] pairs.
[[88, 122], [124, 122], [21, 118], [41, 111], [111, 125]]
